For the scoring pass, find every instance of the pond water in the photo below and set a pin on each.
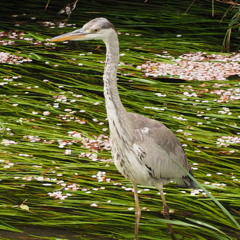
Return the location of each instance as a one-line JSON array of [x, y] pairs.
[[57, 177]]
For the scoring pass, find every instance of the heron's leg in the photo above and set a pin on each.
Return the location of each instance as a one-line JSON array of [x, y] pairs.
[[166, 214], [137, 210]]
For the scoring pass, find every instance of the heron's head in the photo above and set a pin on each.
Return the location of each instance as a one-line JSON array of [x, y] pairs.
[[96, 29]]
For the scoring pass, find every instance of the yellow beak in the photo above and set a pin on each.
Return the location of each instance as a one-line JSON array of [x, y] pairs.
[[75, 35]]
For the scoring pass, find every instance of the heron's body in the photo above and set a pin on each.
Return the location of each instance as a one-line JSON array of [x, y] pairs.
[[142, 157], [144, 150]]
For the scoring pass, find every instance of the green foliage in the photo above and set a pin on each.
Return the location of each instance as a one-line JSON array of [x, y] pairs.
[[233, 26], [40, 110]]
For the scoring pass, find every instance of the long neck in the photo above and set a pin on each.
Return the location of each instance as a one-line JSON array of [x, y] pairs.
[[113, 103], [119, 124]]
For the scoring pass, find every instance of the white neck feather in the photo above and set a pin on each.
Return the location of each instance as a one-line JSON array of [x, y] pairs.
[[113, 102]]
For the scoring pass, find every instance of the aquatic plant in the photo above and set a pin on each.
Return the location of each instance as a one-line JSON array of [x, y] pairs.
[[56, 170]]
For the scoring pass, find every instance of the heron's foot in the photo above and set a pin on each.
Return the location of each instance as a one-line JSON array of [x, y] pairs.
[[166, 214], [172, 236], [170, 231], [170, 212], [137, 216]]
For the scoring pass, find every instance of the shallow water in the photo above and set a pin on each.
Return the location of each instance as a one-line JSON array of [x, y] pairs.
[[56, 171]]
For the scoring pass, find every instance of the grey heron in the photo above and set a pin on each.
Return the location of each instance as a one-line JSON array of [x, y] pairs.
[[144, 150]]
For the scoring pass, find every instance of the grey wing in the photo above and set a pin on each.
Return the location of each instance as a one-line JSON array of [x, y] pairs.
[[163, 152]]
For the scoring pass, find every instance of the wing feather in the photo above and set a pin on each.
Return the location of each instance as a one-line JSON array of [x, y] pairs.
[[162, 150]]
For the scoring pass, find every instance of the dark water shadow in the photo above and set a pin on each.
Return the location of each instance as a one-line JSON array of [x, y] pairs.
[[170, 80], [39, 233]]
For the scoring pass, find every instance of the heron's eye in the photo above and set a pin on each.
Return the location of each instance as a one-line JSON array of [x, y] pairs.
[[95, 30]]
